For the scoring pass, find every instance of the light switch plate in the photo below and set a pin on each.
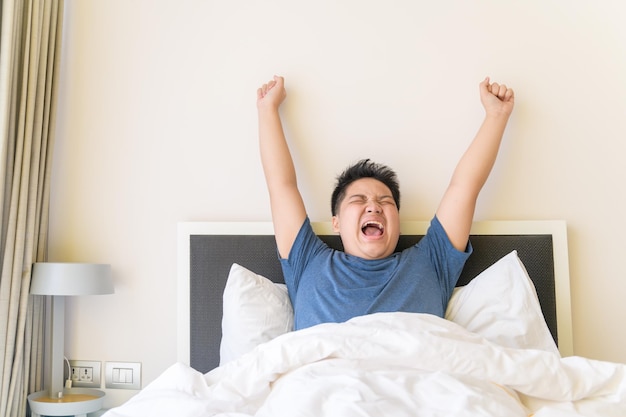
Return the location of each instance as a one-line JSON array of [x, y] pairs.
[[122, 375]]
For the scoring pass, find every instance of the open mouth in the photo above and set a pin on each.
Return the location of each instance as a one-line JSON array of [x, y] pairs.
[[372, 228]]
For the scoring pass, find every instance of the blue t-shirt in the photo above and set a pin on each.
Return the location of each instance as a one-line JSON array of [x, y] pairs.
[[327, 285]]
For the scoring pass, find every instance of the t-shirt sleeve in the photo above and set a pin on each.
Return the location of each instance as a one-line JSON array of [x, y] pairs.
[[447, 260], [306, 244]]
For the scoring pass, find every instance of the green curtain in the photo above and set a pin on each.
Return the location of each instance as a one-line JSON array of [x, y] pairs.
[[29, 71]]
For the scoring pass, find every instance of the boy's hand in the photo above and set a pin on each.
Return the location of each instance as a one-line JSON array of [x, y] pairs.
[[272, 94], [497, 99]]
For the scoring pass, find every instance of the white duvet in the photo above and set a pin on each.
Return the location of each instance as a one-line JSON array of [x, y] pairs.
[[387, 364]]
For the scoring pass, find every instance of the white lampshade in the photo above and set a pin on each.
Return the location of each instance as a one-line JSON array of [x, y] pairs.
[[51, 278]]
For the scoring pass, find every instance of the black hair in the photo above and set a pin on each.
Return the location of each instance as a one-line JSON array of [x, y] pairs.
[[364, 169]]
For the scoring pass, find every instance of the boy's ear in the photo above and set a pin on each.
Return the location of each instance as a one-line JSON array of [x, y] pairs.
[[336, 224]]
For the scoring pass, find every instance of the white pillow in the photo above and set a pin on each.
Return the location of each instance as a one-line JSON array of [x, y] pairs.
[[256, 310], [501, 305]]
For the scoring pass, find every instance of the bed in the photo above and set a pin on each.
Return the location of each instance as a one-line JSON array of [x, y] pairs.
[[504, 348], [207, 251]]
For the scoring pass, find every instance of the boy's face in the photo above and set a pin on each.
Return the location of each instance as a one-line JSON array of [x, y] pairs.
[[368, 221]]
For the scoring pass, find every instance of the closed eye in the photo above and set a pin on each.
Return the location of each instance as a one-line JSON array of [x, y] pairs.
[[361, 199]]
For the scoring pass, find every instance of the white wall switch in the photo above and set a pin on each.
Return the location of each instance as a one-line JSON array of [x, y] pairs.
[[122, 375]]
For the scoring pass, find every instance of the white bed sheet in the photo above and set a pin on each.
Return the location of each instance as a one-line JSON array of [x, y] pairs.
[[390, 364]]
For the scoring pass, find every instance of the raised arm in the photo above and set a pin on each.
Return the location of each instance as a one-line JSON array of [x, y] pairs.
[[288, 212], [456, 210]]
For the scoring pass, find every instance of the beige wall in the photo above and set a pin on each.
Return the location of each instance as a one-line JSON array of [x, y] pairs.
[[157, 125]]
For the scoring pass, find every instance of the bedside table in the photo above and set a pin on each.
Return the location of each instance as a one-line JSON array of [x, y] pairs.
[[75, 402]]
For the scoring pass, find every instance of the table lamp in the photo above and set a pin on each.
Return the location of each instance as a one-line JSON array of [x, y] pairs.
[[59, 280]]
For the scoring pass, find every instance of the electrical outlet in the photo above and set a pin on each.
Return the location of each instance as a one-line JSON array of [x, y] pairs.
[[75, 373], [85, 374]]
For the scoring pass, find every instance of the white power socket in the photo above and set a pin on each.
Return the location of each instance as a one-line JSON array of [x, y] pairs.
[[85, 374]]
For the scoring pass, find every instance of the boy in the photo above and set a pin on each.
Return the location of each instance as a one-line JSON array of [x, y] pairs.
[[368, 277]]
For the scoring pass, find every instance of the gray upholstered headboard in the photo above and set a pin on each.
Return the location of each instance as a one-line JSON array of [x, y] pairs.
[[207, 251]]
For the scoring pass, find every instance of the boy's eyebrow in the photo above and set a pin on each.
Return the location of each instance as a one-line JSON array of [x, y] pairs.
[[357, 196]]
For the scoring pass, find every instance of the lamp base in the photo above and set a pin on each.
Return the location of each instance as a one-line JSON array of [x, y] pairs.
[[75, 402]]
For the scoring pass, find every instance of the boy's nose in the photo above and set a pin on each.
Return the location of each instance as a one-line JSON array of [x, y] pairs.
[[373, 208]]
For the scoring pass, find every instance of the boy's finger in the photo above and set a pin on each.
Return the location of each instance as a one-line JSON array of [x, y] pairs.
[[484, 85], [502, 92]]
